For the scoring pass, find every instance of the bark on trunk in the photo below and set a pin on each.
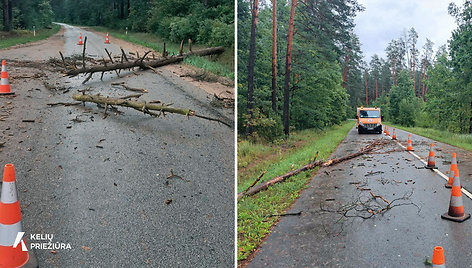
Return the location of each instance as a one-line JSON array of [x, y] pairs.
[[288, 68], [346, 68], [366, 90], [144, 107], [252, 55], [140, 106], [376, 88], [274, 56]]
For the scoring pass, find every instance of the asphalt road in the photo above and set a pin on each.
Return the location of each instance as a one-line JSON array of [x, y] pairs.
[[102, 184], [332, 233]]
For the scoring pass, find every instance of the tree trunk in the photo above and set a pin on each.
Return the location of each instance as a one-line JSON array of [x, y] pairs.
[[376, 88], [288, 68], [252, 54], [393, 73], [470, 120], [424, 81], [346, 68], [366, 90], [6, 16], [144, 64], [414, 70], [274, 56], [122, 9]]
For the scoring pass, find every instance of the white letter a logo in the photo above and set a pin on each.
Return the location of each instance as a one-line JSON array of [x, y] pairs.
[[18, 239]]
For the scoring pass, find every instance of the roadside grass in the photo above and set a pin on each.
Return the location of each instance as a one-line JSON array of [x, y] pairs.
[[463, 141], [254, 222], [17, 37], [222, 65]]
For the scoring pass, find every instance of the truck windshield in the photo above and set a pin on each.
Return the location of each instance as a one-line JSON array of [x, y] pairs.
[[369, 114]]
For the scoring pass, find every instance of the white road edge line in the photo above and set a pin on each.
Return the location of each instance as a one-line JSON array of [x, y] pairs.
[[467, 193]]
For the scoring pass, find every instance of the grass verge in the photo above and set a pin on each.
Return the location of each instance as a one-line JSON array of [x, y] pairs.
[[463, 141], [223, 65], [17, 37], [253, 159]]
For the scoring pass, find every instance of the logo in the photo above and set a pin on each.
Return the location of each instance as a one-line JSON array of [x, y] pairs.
[[19, 239], [48, 243]]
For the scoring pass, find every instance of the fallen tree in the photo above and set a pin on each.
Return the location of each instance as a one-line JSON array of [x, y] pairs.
[[145, 107], [141, 63], [313, 164]]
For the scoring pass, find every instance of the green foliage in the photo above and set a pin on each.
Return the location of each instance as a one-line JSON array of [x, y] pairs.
[[407, 112], [402, 108], [209, 22], [29, 13], [266, 128]]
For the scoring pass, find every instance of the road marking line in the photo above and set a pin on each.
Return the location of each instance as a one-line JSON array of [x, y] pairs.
[[442, 175]]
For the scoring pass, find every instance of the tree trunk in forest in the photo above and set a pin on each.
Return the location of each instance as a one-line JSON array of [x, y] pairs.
[[6, 15], [376, 88], [128, 9], [470, 120], [288, 68], [393, 73], [413, 58], [423, 82], [252, 54], [366, 90], [274, 56], [346, 68], [122, 9]]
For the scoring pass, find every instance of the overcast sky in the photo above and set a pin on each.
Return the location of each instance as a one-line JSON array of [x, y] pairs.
[[384, 20]]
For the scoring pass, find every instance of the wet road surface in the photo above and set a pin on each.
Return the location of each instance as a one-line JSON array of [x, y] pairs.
[[102, 184], [331, 231]]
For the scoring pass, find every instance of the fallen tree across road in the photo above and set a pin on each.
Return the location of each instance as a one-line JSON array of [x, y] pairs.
[[140, 62], [145, 107], [311, 165]]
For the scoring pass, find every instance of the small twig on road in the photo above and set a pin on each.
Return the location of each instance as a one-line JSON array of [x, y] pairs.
[[64, 103], [285, 214], [122, 84]]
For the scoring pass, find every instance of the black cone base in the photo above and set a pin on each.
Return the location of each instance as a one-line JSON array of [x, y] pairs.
[[456, 219]]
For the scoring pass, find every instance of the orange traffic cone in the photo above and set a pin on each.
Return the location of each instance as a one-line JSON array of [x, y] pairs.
[[409, 148], [13, 251], [394, 137], [80, 40], [431, 162], [107, 41], [451, 171], [456, 207], [438, 257], [5, 88], [386, 132]]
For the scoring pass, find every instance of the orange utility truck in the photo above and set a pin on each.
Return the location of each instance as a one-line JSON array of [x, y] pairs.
[[368, 120]]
